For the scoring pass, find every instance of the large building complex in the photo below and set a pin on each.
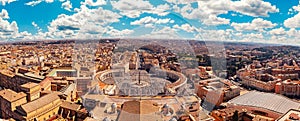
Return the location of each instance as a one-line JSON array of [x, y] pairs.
[[216, 90], [280, 79], [288, 87], [263, 82]]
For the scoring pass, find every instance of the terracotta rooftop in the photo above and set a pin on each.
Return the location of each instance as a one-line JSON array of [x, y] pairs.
[[39, 103], [45, 81], [69, 105], [34, 76], [29, 85], [294, 116], [291, 115], [10, 95], [291, 81], [7, 73], [227, 111], [28, 77], [188, 99]]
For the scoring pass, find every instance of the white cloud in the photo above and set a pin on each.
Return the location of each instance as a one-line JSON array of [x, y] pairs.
[[252, 36], [293, 22], [92, 3], [162, 33], [137, 7], [118, 33], [9, 31], [149, 21], [294, 9], [249, 37], [36, 26], [205, 9], [280, 39], [94, 22], [67, 5], [84, 16], [278, 32], [208, 11], [213, 20], [293, 35], [185, 27], [160, 10], [138, 4], [4, 14], [4, 2], [21, 36], [278, 35], [257, 24], [65, 22], [6, 27], [219, 35], [49, 1], [132, 9], [254, 7], [34, 3], [25, 34], [181, 1], [293, 32], [85, 23]]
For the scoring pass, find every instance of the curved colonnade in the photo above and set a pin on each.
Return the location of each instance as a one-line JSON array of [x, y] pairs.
[[177, 79]]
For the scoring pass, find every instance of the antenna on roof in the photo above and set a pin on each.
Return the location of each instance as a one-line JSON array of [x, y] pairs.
[[139, 77]]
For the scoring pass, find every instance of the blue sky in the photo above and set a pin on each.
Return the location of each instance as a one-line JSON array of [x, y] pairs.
[[268, 21]]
